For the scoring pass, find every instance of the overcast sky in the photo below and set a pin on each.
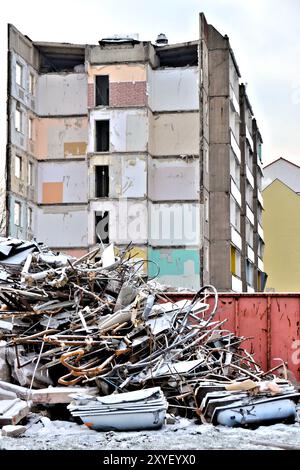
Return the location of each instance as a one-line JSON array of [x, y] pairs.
[[264, 35]]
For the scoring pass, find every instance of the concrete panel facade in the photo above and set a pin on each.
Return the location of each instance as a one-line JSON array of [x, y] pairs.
[[173, 89], [21, 231], [22, 92], [178, 267], [61, 138], [22, 185], [62, 94], [174, 134], [19, 137], [173, 179]]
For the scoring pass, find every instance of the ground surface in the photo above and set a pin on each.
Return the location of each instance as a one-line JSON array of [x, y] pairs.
[[183, 435]]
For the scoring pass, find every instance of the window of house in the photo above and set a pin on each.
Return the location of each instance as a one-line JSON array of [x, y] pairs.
[[235, 214], [259, 214], [249, 195], [19, 74], [249, 273], [259, 180], [249, 157], [102, 226], [235, 169], [249, 233], [29, 218], [102, 90], [18, 166], [102, 136], [260, 248], [101, 181], [30, 173], [235, 261], [30, 128], [18, 120], [17, 213], [31, 84]]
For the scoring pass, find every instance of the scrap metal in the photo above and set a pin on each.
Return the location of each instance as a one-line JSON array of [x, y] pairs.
[[98, 321]]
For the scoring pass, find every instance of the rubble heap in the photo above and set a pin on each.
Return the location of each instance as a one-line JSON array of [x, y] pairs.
[[96, 326]]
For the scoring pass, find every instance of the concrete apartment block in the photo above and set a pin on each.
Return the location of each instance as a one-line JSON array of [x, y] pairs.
[[142, 143]]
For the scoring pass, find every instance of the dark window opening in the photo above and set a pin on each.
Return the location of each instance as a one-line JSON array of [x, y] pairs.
[[102, 90], [102, 136], [102, 226], [101, 181]]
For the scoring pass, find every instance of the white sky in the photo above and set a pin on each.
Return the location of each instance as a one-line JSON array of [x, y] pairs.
[[264, 35]]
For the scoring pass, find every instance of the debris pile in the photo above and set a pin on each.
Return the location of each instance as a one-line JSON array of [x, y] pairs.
[[96, 325]]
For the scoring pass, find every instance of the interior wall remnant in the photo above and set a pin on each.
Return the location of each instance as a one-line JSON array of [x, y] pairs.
[[173, 179], [173, 89], [59, 138], [174, 224], [72, 223], [62, 94], [174, 134], [177, 267]]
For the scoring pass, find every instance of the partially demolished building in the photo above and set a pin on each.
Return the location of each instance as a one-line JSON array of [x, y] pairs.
[[151, 144]]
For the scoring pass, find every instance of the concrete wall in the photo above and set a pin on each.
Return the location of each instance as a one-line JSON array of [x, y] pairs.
[[173, 179], [62, 226], [174, 224], [22, 46], [178, 267], [20, 231], [128, 221], [173, 89], [174, 134], [62, 94], [22, 93], [128, 129], [21, 185], [111, 54], [58, 138], [62, 182], [20, 139], [127, 175]]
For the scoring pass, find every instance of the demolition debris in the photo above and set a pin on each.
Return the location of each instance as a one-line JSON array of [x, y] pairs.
[[95, 336]]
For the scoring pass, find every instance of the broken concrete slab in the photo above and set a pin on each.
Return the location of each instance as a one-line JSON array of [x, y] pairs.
[[7, 395], [13, 411], [22, 392], [56, 395], [13, 430]]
